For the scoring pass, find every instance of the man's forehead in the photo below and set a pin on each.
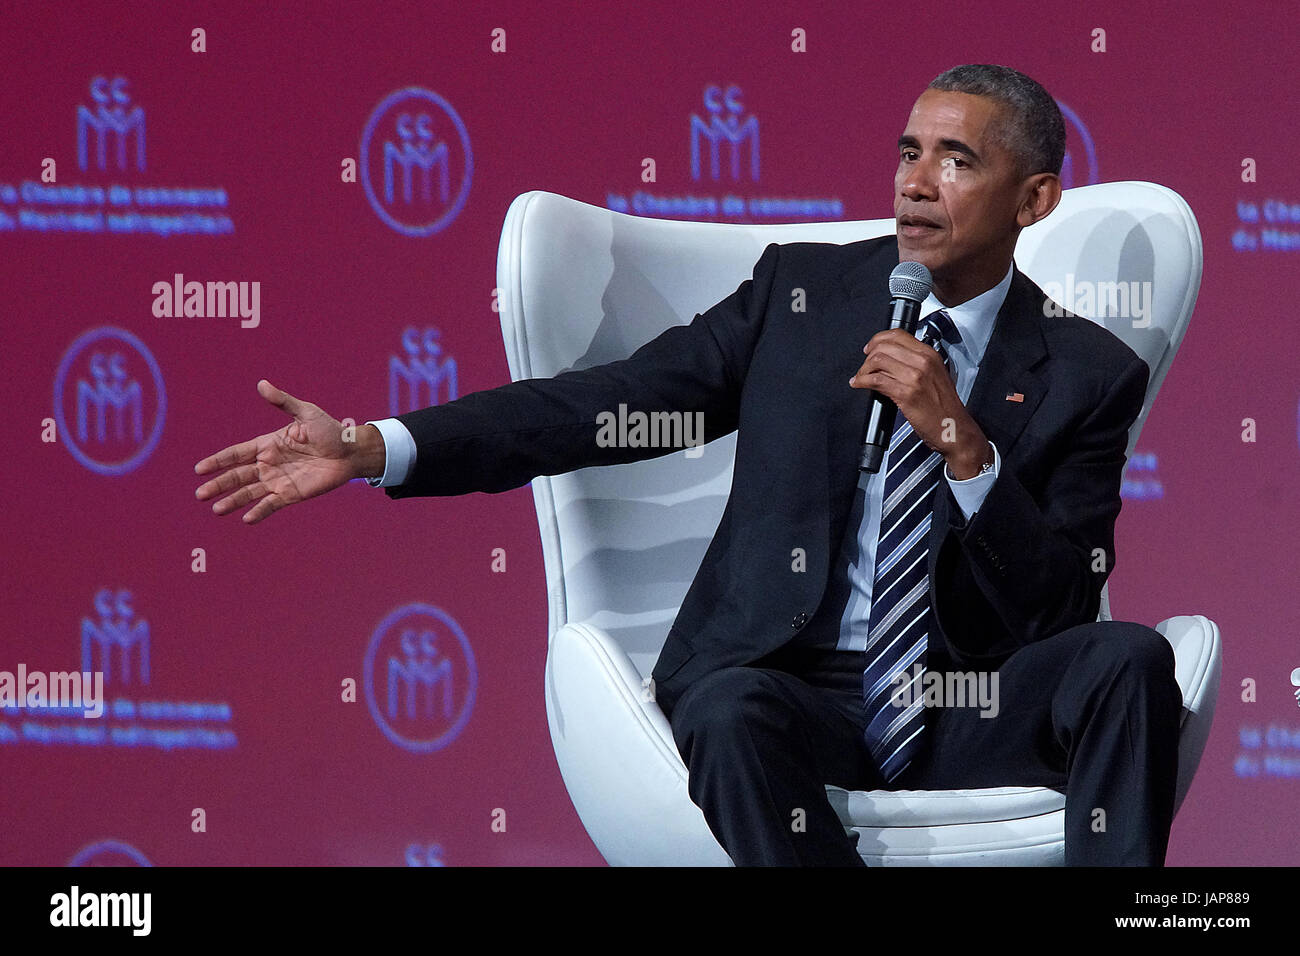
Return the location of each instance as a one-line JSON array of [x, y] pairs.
[[948, 111]]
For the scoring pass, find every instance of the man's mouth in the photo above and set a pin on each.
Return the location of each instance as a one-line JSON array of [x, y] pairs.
[[913, 226]]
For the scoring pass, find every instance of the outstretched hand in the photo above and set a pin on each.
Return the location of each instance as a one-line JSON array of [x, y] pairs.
[[305, 458]]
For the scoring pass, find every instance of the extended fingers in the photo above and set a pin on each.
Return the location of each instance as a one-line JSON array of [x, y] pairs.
[[227, 481], [264, 508], [243, 496], [239, 454]]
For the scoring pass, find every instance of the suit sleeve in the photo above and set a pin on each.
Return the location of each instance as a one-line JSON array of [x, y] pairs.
[[501, 438], [1039, 561]]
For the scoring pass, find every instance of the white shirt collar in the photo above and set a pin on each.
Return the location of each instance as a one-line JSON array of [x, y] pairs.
[[974, 318]]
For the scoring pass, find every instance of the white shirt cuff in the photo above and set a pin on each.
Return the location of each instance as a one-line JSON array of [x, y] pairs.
[[399, 453], [971, 492]]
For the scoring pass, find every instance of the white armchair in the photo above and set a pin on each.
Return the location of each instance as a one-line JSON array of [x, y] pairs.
[[581, 286]]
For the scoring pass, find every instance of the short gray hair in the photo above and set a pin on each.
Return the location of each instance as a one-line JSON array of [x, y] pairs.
[[1031, 127]]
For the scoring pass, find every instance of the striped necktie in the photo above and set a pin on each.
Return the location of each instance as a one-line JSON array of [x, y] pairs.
[[900, 601]]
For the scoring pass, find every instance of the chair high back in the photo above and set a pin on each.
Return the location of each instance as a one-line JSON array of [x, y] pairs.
[[582, 286]]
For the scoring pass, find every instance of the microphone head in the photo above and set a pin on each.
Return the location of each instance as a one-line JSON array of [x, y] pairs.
[[910, 280]]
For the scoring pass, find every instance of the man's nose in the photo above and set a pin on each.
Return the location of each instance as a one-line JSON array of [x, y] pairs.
[[921, 182]]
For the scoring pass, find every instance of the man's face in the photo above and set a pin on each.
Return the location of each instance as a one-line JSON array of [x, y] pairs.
[[956, 192]]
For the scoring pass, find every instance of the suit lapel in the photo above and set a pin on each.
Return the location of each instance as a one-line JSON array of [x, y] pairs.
[[1015, 348], [1007, 368], [860, 311]]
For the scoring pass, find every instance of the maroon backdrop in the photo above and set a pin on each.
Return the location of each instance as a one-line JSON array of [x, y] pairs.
[[284, 769]]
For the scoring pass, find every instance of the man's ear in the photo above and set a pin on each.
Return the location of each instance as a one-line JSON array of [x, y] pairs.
[[1042, 193]]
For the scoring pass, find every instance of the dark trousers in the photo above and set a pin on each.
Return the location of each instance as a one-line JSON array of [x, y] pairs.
[[1092, 712]]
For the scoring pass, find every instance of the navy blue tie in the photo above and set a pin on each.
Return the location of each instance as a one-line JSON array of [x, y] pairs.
[[900, 598]]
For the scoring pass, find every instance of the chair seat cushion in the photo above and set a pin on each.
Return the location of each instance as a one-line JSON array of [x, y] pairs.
[[927, 808]]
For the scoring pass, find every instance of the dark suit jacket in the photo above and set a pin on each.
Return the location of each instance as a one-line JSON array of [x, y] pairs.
[[1029, 564]]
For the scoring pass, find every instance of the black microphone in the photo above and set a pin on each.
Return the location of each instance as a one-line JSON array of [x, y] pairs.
[[909, 285]]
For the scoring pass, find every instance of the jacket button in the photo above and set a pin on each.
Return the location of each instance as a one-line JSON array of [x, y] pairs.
[[799, 621]]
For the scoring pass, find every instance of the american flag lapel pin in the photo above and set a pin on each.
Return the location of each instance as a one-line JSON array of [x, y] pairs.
[[1015, 397]]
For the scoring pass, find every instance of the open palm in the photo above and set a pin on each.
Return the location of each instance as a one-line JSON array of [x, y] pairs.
[[305, 458]]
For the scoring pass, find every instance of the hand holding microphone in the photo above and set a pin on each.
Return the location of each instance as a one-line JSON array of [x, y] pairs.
[[909, 286], [907, 375]]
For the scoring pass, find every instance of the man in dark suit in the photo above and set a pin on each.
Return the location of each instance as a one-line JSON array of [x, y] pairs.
[[779, 673]]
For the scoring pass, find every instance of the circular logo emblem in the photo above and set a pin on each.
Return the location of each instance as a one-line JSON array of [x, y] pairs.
[[420, 678], [109, 401], [416, 162]]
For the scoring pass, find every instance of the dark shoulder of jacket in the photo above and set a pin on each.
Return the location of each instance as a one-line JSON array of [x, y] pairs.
[[1069, 333], [820, 262]]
